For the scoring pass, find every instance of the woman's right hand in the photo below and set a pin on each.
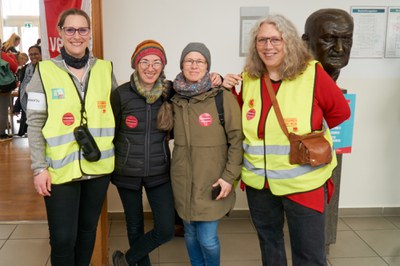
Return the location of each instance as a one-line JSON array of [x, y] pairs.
[[231, 80], [42, 183]]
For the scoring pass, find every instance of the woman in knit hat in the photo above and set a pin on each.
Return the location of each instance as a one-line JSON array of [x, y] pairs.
[[142, 156], [143, 116], [207, 154]]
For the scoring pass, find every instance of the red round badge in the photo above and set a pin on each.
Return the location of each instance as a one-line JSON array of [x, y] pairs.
[[68, 119], [131, 121], [205, 119], [251, 114]]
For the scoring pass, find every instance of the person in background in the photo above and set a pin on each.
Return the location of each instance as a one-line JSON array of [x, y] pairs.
[[11, 44], [307, 97], [144, 120], [207, 155], [22, 59], [5, 97], [71, 131], [35, 55]]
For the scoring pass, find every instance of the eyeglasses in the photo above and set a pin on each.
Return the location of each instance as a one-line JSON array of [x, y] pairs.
[[70, 31], [275, 41], [190, 62], [146, 64]]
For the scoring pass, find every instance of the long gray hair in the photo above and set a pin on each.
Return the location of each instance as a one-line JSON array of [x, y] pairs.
[[296, 56]]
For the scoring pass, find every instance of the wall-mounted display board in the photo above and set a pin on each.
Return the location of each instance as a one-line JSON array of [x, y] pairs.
[[248, 18], [369, 31], [393, 33]]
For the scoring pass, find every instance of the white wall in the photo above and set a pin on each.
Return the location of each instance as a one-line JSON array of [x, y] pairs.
[[370, 177]]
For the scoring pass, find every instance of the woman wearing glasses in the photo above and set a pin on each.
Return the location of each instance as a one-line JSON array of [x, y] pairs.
[[207, 155], [307, 97], [71, 129], [142, 155], [144, 120]]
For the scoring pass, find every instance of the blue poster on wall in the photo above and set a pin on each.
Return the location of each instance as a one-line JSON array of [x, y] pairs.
[[342, 135]]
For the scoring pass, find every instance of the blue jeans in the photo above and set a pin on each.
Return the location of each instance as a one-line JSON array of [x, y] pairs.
[[306, 229], [162, 207], [73, 210], [202, 243]]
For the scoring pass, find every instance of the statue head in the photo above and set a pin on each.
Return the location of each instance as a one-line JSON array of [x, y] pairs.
[[329, 36]]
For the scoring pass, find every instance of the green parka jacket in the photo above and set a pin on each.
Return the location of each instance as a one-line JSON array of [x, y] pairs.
[[203, 153]]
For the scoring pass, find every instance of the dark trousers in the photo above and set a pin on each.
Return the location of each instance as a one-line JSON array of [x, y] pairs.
[[23, 126], [162, 206], [73, 211], [306, 229]]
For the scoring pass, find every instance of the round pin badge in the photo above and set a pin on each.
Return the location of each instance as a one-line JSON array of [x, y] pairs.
[[68, 119], [251, 114], [131, 121], [205, 119]]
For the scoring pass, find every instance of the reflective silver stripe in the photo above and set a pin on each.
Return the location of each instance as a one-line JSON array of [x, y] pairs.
[[295, 172], [60, 140], [63, 139], [251, 168], [102, 132], [57, 164], [281, 174], [269, 149]]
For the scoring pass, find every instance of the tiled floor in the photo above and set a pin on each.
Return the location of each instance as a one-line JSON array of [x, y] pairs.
[[366, 241]]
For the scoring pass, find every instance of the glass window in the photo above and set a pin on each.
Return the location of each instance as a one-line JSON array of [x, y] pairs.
[[20, 8], [21, 17]]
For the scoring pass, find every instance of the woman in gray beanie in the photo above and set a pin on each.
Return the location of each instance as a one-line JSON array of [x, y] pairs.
[[207, 155]]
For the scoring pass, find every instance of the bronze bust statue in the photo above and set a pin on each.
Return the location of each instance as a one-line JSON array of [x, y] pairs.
[[329, 35]]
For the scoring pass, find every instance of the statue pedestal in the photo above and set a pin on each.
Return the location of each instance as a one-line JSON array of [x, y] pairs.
[[332, 209]]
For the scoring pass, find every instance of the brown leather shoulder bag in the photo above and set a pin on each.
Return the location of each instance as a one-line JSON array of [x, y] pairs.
[[311, 148]]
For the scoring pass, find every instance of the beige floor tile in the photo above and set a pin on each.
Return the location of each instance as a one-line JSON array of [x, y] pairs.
[[32, 252], [393, 261], [238, 246], [394, 219], [244, 262], [342, 226], [6, 230], [33, 231], [174, 251], [2, 243], [367, 223], [371, 261], [227, 226], [349, 245], [384, 242]]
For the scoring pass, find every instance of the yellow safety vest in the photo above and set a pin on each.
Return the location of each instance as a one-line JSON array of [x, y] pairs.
[[63, 109], [268, 159]]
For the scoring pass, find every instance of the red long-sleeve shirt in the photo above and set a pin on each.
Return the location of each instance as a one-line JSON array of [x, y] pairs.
[[12, 61], [329, 104]]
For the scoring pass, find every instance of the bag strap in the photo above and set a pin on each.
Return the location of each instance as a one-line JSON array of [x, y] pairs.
[[275, 104], [219, 102]]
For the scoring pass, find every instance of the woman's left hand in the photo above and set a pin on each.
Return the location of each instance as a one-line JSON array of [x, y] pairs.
[[216, 80], [226, 188]]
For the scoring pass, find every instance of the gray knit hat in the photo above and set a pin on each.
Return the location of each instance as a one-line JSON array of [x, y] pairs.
[[197, 47]]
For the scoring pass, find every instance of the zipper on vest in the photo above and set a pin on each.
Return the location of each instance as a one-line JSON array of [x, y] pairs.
[[147, 139]]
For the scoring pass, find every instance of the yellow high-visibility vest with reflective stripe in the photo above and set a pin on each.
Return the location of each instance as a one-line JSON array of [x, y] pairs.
[[267, 160], [63, 154]]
